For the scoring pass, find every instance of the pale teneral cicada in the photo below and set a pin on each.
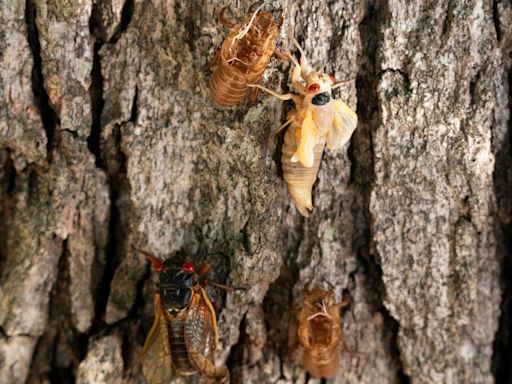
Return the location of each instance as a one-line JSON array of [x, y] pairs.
[[183, 338], [317, 120]]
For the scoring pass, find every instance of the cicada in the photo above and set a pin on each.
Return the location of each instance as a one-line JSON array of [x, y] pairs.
[[319, 333], [244, 56], [317, 120], [184, 335]]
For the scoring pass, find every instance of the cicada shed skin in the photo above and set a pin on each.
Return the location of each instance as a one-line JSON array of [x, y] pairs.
[[319, 333], [317, 120], [243, 57], [183, 338]]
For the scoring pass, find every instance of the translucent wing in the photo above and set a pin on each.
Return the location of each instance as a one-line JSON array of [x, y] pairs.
[[200, 338], [343, 125], [309, 137], [156, 361], [199, 328]]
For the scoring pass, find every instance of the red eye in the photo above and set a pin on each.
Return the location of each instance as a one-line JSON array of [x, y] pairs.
[[333, 80], [188, 267], [314, 87]]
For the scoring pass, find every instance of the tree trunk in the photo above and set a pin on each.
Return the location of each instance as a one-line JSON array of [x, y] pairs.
[[110, 142]]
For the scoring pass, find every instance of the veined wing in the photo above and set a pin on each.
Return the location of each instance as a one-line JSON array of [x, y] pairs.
[[200, 337], [200, 327], [156, 360], [343, 125]]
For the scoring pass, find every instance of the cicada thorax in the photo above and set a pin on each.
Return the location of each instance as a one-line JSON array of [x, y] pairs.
[[319, 333], [176, 284], [243, 58]]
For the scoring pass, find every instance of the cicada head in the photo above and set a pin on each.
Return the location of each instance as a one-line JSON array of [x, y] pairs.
[[177, 280], [317, 82]]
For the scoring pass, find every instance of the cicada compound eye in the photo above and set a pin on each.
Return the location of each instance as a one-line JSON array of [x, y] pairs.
[[188, 267], [314, 87]]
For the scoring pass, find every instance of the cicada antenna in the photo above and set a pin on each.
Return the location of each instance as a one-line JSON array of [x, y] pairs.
[[228, 288], [304, 66], [342, 83]]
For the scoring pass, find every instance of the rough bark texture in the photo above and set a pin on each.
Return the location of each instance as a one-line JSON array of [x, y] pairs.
[[110, 142]]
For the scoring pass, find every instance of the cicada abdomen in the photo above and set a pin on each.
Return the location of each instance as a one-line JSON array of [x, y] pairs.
[[300, 179], [243, 57], [319, 333]]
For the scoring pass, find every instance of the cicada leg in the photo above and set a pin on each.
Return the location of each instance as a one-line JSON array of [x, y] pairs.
[[304, 66], [283, 126], [286, 96], [342, 83], [282, 56], [254, 93]]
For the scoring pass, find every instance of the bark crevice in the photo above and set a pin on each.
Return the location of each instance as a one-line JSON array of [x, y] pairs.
[[96, 90], [496, 19], [362, 166], [49, 117], [61, 347], [126, 18], [502, 346]]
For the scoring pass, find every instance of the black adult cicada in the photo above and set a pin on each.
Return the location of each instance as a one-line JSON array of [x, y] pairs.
[[184, 335]]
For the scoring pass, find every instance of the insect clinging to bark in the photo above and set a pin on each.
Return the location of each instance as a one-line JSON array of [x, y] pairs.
[[319, 333], [244, 56], [183, 338], [317, 120]]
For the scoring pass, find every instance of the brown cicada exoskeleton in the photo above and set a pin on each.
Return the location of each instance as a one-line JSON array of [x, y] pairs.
[[319, 333], [244, 56], [183, 338], [317, 120]]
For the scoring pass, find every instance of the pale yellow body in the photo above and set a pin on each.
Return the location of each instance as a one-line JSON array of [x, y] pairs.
[[311, 128]]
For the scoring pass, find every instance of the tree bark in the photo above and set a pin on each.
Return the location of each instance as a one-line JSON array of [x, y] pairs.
[[110, 142]]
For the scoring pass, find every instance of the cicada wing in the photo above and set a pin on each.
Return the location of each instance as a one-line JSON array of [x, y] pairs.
[[199, 328], [156, 360], [200, 338], [309, 137], [343, 125]]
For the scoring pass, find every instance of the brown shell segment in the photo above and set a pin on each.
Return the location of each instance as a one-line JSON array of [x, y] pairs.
[[243, 57], [319, 333]]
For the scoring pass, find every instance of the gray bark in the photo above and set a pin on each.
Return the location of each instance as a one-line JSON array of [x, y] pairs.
[[110, 142]]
